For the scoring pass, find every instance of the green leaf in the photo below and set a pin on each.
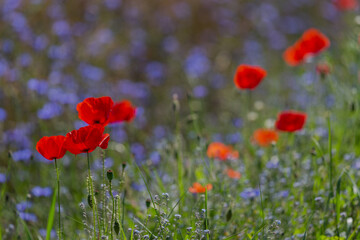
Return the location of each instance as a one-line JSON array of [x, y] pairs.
[[50, 221]]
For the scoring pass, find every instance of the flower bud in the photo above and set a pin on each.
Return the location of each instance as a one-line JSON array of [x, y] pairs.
[[110, 175], [116, 227], [89, 200], [148, 202]]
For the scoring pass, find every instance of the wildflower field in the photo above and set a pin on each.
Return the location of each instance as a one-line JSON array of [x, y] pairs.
[[180, 119]]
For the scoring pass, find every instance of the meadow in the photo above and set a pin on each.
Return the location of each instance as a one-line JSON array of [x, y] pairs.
[[201, 119]]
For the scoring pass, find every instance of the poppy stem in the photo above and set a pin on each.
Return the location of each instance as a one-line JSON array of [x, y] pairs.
[[92, 194], [58, 195]]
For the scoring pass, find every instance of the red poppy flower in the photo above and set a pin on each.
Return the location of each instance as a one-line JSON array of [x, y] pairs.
[[294, 55], [264, 137], [248, 77], [311, 43], [51, 147], [95, 110], [86, 139], [346, 4], [105, 141], [290, 121], [122, 111], [221, 151], [198, 188], [233, 174]]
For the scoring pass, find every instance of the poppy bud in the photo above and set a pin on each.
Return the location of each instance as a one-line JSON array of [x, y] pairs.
[[228, 215], [123, 166], [116, 227], [110, 175], [89, 200], [148, 202], [352, 107]]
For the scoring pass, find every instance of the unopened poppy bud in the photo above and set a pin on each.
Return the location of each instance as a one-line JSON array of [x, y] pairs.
[[110, 175], [228, 215], [89, 200], [123, 165], [116, 227], [148, 202]]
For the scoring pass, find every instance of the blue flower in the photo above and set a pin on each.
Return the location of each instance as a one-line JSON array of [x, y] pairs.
[[43, 232], [3, 178], [155, 72], [250, 193], [39, 86], [41, 192], [112, 4], [155, 157], [22, 155], [200, 91], [197, 63], [30, 217], [3, 114], [23, 206], [90, 72], [50, 110]]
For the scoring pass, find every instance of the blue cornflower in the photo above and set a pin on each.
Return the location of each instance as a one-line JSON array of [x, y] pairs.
[[22, 155], [50, 110], [250, 193], [41, 192]]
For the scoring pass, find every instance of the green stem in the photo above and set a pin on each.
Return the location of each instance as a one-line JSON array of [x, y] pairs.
[[104, 194], [58, 193], [113, 211], [91, 194]]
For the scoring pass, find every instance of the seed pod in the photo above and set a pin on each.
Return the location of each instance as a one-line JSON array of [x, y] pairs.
[[228, 215], [116, 227], [110, 175], [123, 166], [148, 202], [89, 199]]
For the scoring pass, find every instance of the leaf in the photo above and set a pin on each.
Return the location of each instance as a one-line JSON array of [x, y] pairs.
[[50, 221]]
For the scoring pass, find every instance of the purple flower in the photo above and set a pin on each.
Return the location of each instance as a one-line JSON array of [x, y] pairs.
[[23, 206], [112, 4], [22, 155], [138, 151], [250, 193], [155, 72], [273, 163], [233, 138], [25, 60], [61, 28], [40, 42], [3, 178], [41, 192], [43, 232], [137, 187], [30, 217], [7, 45], [90, 72], [50, 110], [10, 5], [3, 114], [200, 91], [170, 44], [155, 157], [39, 86], [159, 132], [197, 63], [283, 194]]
